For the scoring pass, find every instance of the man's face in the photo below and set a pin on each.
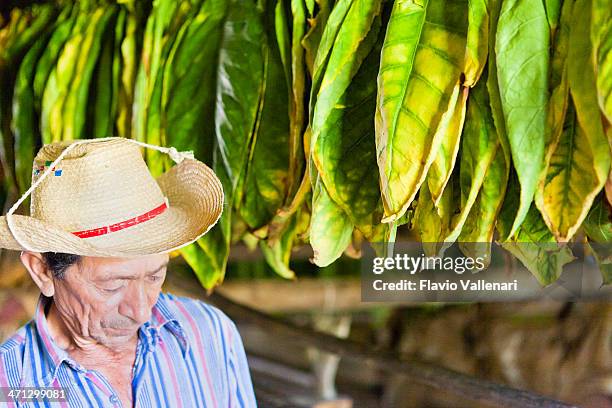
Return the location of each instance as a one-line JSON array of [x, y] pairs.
[[108, 299]]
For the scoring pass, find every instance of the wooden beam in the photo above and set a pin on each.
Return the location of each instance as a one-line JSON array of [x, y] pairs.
[[466, 386], [420, 372], [301, 295]]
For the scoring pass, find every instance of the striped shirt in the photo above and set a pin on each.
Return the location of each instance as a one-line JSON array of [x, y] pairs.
[[189, 354]]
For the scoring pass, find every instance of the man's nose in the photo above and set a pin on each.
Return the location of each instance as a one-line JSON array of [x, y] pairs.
[[136, 304]]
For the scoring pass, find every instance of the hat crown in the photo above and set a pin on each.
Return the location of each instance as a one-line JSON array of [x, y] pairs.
[[94, 185]]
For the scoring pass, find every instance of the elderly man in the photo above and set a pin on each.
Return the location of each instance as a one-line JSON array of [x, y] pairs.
[[96, 243]]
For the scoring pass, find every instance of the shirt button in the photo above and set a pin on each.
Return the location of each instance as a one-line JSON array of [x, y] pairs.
[[113, 399]]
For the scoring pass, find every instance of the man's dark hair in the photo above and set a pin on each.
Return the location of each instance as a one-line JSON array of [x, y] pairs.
[[59, 262]]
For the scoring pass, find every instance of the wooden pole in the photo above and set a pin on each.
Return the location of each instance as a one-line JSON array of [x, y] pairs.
[[423, 373]]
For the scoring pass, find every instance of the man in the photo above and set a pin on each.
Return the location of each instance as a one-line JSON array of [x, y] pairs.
[[96, 243]]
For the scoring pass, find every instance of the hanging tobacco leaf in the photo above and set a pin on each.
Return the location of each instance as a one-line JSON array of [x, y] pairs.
[[477, 232], [477, 47], [128, 62], [311, 40], [102, 95], [433, 222], [330, 227], [238, 93], [163, 24], [268, 165], [522, 59], [421, 62], [25, 124], [533, 243], [598, 227], [578, 161], [480, 147], [20, 33], [572, 179], [189, 80], [450, 129], [87, 42], [601, 38]]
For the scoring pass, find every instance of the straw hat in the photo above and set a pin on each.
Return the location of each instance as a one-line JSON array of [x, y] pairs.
[[97, 197]]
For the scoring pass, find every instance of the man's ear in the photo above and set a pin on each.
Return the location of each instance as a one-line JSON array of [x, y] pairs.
[[40, 273]]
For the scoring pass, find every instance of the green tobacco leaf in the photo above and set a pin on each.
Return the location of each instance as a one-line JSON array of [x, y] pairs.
[[297, 97], [559, 85], [508, 206], [479, 149], [268, 164], [57, 85], [310, 6], [352, 44], [239, 91], [238, 96], [119, 34], [163, 24], [105, 82], [278, 253], [421, 62], [10, 33], [198, 258], [578, 161], [345, 151], [598, 223], [450, 128], [47, 62], [128, 58], [24, 123], [572, 179], [603, 256], [582, 83], [477, 47], [74, 108], [20, 32], [347, 40], [144, 79], [433, 223], [493, 83], [537, 250], [283, 38], [311, 40], [522, 52], [48, 59], [164, 47], [601, 37], [297, 183], [477, 232], [553, 11], [25, 30], [581, 70], [330, 227], [189, 82], [598, 227], [508, 209], [324, 46]]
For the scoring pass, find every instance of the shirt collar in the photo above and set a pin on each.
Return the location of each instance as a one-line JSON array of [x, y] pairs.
[[44, 348], [51, 355], [163, 316]]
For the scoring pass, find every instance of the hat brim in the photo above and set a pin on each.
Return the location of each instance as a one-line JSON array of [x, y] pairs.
[[195, 198]]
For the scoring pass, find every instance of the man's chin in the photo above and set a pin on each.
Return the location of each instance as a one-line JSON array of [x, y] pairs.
[[114, 336]]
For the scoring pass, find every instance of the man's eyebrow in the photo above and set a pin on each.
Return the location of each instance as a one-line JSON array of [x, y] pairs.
[[109, 277], [158, 269]]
